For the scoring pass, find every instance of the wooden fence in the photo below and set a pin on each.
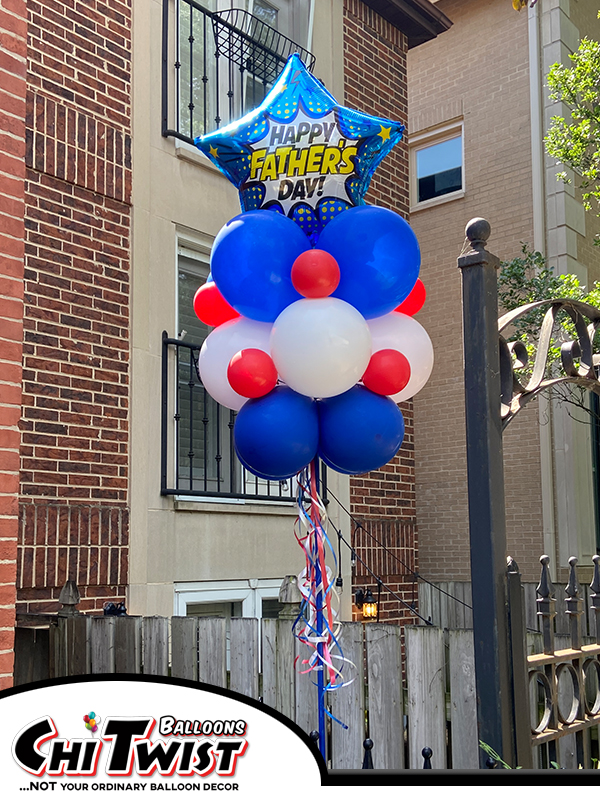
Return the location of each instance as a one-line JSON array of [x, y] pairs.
[[560, 692], [448, 605], [404, 696]]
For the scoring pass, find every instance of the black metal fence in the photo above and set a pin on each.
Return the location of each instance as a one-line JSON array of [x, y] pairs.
[[217, 66], [197, 450]]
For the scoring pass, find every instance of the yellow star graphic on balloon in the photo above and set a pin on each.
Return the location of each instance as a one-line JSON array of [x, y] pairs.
[[384, 133], [213, 152]]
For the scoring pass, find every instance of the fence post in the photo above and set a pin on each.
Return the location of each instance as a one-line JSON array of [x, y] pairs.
[[485, 469], [518, 657], [368, 757]]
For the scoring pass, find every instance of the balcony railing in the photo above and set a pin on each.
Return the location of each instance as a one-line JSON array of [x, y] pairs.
[[217, 66], [197, 451]]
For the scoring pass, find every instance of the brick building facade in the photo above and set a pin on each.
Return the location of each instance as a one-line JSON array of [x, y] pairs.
[[383, 501], [13, 36], [74, 428]]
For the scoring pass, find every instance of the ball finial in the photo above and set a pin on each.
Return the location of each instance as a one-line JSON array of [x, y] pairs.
[[478, 231]]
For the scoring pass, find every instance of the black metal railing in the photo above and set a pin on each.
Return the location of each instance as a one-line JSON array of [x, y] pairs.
[[217, 66], [197, 450]]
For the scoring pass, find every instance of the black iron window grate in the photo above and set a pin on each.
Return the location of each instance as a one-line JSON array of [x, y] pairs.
[[254, 45], [217, 66], [197, 450]]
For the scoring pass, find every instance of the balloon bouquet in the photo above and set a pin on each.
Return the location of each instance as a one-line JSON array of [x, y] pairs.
[[311, 295]]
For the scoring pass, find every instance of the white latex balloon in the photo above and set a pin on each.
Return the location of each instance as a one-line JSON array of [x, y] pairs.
[[400, 332], [219, 348], [321, 347]]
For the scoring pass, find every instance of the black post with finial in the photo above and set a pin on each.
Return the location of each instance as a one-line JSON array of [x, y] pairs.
[[487, 523], [368, 757], [427, 752]]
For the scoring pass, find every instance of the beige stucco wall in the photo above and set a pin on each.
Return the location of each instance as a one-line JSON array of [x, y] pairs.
[[175, 189]]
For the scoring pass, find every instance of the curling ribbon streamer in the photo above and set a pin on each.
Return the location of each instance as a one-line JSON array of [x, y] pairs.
[[316, 625]]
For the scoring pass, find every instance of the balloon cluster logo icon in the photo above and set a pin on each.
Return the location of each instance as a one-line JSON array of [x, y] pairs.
[[311, 293]]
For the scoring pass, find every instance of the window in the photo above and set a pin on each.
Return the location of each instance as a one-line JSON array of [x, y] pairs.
[[200, 430], [226, 59], [226, 599], [205, 459], [244, 598], [437, 160]]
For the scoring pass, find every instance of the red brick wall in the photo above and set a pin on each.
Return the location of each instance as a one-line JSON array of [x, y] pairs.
[[383, 501], [74, 452], [13, 47]]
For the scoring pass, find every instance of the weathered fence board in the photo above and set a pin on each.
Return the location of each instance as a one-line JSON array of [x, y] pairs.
[[463, 703], [212, 651], [426, 707], [268, 650], [279, 676], [243, 650], [448, 604], [128, 645], [156, 645], [32, 655], [184, 648], [307, 715], [384, 676], [102, 645], [347, 704], [70, 646]]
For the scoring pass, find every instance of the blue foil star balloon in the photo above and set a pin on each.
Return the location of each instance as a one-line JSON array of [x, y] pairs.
[[300, 153]]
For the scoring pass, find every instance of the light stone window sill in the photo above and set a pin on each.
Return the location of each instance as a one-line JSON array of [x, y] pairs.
[[188, 152], [221, 506], [437, 201]]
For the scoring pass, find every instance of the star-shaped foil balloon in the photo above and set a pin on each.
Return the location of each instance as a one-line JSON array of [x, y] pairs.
[[300, 153]]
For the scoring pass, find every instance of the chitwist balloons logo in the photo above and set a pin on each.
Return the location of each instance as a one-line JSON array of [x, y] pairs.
[[127, 736]]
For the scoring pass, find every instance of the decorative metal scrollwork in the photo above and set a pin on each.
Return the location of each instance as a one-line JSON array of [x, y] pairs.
[[580, 365], [565, 684]]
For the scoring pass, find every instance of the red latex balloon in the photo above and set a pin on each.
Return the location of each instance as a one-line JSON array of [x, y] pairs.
[[252, 373], [388, 372], [414, 301], [86, 718], [315, 273], [211, 307]]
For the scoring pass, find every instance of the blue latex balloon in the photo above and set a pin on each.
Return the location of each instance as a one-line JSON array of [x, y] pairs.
[[277, 435], [359, 431], [251, 263], [378, 255]]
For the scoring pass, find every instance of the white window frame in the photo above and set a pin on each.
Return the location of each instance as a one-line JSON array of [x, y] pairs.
[[427, 138], [248, 592]]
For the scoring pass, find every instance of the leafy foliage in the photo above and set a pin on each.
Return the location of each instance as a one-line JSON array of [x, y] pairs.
[[576, 143]]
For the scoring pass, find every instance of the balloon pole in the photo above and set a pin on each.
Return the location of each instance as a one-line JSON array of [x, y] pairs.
[[317, 551], [316, 625]]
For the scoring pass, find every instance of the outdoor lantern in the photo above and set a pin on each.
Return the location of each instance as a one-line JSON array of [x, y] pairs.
[[366, 602]]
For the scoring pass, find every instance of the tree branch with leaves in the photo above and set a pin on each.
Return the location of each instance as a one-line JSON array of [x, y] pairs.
[[576, 143]]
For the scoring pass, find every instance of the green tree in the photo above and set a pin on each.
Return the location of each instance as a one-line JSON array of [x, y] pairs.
[[576, 142]]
